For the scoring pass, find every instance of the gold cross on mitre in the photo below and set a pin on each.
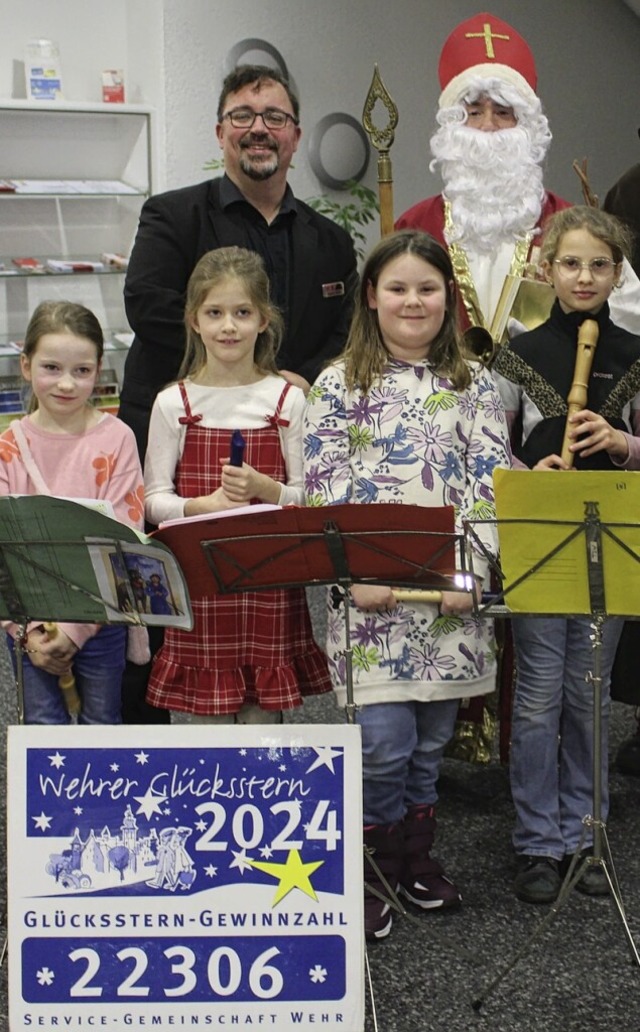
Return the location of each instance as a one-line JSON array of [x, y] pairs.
[[488, 37]]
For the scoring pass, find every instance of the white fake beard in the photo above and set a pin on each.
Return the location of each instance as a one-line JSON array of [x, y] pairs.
[[492, 181]]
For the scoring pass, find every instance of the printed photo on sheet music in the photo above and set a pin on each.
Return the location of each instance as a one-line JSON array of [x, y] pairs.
[[134, 579]]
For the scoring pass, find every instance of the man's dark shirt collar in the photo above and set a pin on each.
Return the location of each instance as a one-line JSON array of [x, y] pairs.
[[230, 194]]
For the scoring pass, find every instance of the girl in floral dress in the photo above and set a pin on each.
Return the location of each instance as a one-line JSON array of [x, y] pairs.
[[403, 417]]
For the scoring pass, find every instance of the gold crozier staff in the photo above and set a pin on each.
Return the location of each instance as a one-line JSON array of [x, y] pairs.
[[382, 140]]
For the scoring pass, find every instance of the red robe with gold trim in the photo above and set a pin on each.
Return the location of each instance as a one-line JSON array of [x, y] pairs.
[[428, 215]]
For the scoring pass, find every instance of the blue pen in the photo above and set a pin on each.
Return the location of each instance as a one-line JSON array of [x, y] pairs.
[[238, 445]]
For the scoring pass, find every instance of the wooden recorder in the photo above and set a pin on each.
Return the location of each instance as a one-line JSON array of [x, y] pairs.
[[577, 399]]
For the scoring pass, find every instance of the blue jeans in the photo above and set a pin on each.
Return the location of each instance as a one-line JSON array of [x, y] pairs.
[[402, 748], [98, 669], [551, 764]]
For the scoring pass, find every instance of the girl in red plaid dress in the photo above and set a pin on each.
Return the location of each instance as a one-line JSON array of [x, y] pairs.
[[249, 655]]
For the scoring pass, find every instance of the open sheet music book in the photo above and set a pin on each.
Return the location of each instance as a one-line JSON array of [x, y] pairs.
[[241, 510], [60, 560]]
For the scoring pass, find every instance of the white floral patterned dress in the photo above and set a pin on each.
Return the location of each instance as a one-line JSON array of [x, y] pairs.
[[413, 439]]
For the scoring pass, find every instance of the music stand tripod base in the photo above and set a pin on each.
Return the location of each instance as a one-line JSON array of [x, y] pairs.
[[601, 853]]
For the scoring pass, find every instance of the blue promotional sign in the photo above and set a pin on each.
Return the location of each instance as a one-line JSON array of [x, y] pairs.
[[200, 876]]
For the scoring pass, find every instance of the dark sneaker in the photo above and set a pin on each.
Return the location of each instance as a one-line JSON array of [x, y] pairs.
[[538, 879], [593, 881], [432, 889]]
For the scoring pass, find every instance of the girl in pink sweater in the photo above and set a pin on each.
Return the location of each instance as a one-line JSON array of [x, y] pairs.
[[68, 448]]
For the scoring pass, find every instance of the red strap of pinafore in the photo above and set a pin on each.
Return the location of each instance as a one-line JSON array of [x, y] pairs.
[[276, 419], [189, 419]]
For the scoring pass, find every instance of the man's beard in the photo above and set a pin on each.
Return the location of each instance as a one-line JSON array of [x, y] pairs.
[[263, 167], [493, 181]]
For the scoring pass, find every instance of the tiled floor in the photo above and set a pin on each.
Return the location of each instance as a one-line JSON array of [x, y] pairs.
[[578, 977]]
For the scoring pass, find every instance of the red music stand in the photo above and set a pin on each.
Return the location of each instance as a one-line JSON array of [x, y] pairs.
[[404, 545]]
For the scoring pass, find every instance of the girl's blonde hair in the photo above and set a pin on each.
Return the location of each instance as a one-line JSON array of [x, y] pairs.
[[247, 267], [61, 317], [365, 355], [604, 227]]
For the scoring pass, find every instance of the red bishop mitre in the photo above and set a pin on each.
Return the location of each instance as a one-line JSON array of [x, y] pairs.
[[488, 48]]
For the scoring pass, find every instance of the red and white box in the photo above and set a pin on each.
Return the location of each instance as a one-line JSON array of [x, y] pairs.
[[113, 86]]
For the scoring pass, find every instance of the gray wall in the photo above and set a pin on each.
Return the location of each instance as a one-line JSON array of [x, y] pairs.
[[586, 52], [173, 52]]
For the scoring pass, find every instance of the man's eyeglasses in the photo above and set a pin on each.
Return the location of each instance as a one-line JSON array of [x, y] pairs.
[[273, 118], [599, 268]]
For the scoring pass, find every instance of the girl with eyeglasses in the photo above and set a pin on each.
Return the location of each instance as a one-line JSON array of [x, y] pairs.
[[552, 732]]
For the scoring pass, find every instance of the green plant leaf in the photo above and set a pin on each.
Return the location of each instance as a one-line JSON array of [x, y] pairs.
[[358, 212]]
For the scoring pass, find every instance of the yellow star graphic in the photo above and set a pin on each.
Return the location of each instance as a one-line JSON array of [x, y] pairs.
[[292, 875]]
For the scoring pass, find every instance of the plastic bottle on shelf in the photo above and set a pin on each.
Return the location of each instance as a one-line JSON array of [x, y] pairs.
[[42, 70]]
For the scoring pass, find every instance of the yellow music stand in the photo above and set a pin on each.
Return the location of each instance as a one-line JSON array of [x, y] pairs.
[[574, 555]]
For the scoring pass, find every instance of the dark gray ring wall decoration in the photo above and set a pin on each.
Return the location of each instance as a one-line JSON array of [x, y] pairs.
[[315, 150], [234, 56]]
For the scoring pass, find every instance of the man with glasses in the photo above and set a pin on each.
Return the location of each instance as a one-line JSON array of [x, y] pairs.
[[489, 147], [491, 140], [310, 260]]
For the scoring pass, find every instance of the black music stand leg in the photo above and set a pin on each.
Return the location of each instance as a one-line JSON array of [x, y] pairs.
[[579, 864], [19, 651], [340, 597]]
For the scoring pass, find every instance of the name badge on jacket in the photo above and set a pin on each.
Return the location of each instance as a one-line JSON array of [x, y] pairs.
[[333, 289]]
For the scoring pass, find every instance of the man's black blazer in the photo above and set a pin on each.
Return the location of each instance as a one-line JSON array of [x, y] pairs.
[[175, 230]]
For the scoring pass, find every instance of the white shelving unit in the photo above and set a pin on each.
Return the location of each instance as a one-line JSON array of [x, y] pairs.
[[54, 147]]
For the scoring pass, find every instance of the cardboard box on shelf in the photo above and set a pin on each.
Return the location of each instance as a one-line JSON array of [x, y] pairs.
[[113, 86]]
